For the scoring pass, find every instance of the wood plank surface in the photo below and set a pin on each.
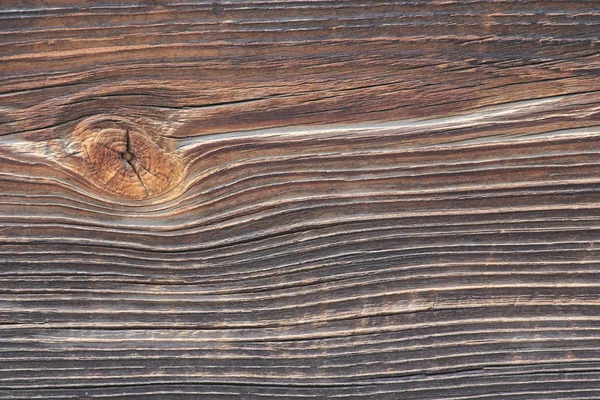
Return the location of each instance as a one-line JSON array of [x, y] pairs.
[[300, 199]]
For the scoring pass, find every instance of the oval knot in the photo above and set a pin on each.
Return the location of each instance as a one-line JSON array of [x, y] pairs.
[[119, 156]]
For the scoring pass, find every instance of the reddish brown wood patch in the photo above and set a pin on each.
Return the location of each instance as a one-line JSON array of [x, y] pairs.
[[121, 157]]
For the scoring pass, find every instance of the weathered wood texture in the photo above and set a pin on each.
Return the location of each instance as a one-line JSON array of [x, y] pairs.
[[300, 199]]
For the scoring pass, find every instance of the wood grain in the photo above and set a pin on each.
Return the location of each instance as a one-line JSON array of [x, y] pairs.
[[300, 199]]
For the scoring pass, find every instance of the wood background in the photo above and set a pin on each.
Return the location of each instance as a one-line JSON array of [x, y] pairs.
[[300, 199]]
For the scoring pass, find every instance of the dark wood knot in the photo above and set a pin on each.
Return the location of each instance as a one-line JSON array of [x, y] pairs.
[[121, 157]]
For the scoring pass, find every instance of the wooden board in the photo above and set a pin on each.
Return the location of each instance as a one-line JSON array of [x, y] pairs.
[[300, 199]]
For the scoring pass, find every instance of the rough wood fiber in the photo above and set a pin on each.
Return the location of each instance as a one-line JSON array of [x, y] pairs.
[[300, 199]]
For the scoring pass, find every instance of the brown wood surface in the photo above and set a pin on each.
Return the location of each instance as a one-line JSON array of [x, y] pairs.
[[300, 199]]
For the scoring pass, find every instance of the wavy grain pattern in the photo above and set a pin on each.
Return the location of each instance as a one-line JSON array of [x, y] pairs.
[[300, 200]]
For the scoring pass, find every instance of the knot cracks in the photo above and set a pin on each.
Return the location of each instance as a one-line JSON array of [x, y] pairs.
[[123, 158]]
